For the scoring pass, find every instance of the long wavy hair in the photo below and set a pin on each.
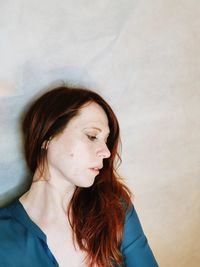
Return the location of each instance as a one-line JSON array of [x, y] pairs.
[[96, 213]]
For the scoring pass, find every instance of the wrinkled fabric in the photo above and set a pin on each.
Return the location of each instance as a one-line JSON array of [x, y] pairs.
[[24, 244]]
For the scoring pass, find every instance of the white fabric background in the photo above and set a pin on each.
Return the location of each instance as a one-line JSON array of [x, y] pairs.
[[144, 58]]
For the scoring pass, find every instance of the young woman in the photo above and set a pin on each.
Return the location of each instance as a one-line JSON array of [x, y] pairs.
[[77, 212]]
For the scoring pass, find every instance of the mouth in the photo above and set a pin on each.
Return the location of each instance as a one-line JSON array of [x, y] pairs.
[[95, 169]]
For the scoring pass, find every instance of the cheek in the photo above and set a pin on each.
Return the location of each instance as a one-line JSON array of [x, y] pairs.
[[75, 152], [82, 151]]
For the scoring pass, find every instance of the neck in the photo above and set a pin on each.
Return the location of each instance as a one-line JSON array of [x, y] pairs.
[[47, 199]]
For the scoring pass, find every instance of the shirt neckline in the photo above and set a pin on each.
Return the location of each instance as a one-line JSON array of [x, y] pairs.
[[19, 213]]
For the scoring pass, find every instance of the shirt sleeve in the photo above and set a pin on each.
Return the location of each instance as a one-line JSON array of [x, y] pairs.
[[135, 247]]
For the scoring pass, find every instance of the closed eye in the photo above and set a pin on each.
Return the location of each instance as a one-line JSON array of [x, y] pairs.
[[92, 137]]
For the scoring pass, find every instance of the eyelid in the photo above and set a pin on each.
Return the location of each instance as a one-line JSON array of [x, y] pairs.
[[92, 134], [91, 137]]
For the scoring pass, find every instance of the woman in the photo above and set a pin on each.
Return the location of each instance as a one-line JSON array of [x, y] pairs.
[[77, 211]]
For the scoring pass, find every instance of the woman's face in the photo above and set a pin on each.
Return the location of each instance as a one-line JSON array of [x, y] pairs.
[[76, 155]]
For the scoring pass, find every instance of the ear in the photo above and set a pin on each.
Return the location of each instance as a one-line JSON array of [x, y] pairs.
[[45, 144]]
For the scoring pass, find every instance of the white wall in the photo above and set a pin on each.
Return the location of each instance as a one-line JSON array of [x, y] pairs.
[[144, 58]]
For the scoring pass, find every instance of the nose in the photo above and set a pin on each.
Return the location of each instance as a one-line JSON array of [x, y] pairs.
[[103, 151]]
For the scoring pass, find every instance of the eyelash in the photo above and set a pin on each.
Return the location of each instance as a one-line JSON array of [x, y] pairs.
[[91, 137], [94, 138]]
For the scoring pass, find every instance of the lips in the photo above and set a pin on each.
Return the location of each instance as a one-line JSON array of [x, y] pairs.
[[96, 169]]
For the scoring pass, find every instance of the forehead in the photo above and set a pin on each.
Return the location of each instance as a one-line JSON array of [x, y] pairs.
[[91, 115]]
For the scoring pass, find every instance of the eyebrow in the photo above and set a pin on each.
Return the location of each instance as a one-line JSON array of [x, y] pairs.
[[98, 129]]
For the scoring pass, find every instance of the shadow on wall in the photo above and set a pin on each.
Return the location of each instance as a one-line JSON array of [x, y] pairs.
[[10, 193]]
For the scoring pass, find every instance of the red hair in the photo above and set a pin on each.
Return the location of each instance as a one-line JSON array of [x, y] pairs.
[[97, 213]]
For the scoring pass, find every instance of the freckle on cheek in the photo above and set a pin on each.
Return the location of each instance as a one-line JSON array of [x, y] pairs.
[[71, 155]]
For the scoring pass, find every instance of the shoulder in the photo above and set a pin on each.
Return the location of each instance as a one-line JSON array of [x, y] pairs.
[[20, 240], [12, 234], [135, 247], [5, 218], [9, 223], [132, 222], [132, 227]]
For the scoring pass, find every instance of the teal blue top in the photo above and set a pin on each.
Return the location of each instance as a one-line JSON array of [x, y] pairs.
[[24, 244]]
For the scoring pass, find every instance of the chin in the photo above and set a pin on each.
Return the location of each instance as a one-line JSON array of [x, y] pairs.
[[88, 183]]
